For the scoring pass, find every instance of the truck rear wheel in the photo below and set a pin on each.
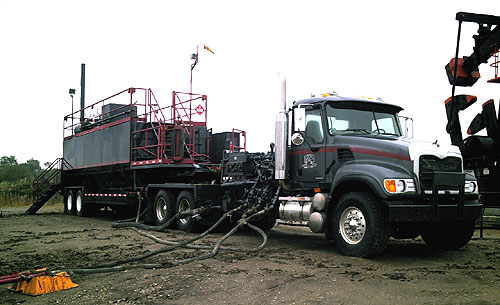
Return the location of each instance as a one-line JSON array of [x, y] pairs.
[[450, 235], [80, 205], [359, 226], [163, 207], [185, 201], [69, 203]]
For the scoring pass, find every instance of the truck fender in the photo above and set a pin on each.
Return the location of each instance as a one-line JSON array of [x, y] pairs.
[[369, 173]]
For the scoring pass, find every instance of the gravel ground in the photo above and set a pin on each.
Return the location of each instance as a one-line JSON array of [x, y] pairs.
[[296, 266]]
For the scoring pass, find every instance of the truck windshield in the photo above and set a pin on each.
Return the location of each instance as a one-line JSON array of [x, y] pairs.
[[357, 121]]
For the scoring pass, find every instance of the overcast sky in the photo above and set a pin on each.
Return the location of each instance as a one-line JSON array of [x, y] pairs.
[[395, 50]]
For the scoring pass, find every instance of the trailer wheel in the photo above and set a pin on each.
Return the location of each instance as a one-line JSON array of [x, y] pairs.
[[359, 226], [185, 202], [69, 203], [450, 235], [80, 205], [163, 207]]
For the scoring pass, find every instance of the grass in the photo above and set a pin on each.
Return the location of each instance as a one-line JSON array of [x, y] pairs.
[[8, 201]]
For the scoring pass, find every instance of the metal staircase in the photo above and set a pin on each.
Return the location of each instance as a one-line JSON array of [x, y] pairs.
[[47, 184]]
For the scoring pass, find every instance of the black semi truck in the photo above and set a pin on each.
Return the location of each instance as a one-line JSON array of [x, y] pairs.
[[340, 165]]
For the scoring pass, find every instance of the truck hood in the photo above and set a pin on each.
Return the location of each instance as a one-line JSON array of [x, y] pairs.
[[400, 148]]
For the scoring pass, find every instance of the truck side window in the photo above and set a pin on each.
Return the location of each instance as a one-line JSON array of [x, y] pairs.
[[314, 129]]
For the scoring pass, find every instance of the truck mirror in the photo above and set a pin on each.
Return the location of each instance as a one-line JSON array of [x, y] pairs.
[[299, 115], [407, 126], [297, 138]]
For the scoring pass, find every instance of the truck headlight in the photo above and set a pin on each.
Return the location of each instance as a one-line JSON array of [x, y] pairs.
[[398, 186], [471, 187]]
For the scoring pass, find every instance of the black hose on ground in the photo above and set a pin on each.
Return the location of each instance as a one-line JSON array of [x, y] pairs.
[[105, 267], [252, 201]]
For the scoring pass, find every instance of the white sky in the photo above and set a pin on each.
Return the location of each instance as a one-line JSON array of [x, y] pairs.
[[395, 50]]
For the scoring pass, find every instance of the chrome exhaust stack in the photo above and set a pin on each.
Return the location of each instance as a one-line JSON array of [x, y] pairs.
[[281, 129]]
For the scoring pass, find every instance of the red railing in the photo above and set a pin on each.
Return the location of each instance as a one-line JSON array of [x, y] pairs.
[[160, 139], [189, 110], [236, 147], [144, 109]]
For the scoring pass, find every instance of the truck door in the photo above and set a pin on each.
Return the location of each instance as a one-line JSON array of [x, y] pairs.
[[308, 158]]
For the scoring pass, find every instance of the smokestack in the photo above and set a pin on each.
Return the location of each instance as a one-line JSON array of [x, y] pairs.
[[281, 135], [82, 95]]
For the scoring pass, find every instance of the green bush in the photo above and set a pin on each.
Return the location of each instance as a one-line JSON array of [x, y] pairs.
[[16, 181]]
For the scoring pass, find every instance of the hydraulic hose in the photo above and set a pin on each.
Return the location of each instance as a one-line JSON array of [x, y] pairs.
[[105, 267], [119, 264], [252, 203]]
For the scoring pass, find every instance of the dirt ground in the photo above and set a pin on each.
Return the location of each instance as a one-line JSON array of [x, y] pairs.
[[296, 267]]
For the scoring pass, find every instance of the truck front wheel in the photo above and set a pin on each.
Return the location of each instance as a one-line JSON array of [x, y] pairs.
[[449, 235], [359, 225]]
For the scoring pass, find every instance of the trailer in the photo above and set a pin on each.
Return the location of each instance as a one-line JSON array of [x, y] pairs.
[[340, 165]]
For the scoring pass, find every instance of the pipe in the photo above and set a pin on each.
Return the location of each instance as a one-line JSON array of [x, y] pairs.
[[82, 95], [281, 135]]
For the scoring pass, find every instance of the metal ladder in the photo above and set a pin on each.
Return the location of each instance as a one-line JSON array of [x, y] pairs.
[[47, 184]]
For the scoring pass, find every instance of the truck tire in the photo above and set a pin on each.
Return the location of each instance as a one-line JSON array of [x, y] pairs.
[[185, 201], [359, 225], [69, 203], [163, 207], [450, 235], [81, 207]]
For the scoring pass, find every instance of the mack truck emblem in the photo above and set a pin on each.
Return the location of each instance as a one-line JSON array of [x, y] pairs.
[[309, 161]]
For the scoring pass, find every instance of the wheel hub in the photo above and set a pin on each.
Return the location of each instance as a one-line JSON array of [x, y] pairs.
[[69, 203], [161, 209], [78, 203], [352, 225], [183, 206]]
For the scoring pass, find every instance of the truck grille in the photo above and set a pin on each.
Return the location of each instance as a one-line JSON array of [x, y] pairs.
[[429, 164]]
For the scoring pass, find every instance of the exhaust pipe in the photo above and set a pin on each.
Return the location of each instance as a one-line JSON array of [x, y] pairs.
[[281, 129], [82, 95]]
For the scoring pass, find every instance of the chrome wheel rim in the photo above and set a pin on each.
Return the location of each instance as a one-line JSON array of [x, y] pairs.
[[161, 209], [352, 225], [183, 206], [78, 203], [69, 202]]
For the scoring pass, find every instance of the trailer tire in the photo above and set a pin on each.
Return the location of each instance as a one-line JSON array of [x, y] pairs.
[[163, 207], [81, 207], [69, 203], [185, 201], [449, 235], [359, 225]]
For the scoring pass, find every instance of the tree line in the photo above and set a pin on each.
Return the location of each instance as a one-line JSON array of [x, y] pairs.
[[16, 180]]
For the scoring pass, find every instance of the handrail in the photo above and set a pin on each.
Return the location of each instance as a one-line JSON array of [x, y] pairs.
[[244, 134], [49, 177], [187, 110]]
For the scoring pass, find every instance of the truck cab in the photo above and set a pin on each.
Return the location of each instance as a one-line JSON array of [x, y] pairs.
[[354, 175], [324, 126]]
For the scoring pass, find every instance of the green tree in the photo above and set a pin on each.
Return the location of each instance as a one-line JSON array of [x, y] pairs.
[[11, 171], [8, 161], [16, 179]]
